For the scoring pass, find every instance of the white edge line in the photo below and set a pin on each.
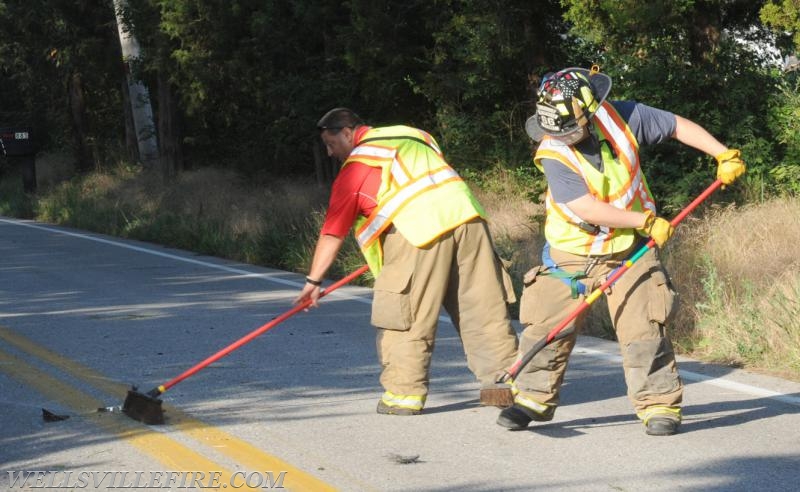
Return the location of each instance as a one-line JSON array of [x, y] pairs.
[[702, 378], [244, 273]]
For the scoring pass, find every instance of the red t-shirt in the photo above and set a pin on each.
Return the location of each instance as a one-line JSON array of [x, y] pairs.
[[354, 192]]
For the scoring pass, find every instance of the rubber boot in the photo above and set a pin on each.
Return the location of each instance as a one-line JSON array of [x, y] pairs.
[[661, 426], [517, 417]]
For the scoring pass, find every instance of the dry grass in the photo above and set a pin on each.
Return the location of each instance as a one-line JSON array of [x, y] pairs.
[[737, 271], [513, 225]]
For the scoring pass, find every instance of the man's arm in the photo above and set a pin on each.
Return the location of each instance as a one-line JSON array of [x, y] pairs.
[[325, 253], [690, 133], [594, 211]]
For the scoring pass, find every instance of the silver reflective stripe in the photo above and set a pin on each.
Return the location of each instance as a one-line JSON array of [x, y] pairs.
[[618, 135], [398, 173], [403, 401], [395, 203], [534, 405], [380, 152]]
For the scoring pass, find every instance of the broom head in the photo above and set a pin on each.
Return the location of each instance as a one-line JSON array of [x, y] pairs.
[[143, 407]]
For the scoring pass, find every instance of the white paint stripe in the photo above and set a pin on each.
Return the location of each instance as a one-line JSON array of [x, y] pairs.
[[702, 378], [238, 271]]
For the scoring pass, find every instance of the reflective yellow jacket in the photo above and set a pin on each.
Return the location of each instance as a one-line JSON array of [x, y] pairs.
[[621, 184], [420, 194]]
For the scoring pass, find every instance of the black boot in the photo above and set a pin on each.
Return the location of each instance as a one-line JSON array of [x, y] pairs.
[[517, 417], [662, 426]]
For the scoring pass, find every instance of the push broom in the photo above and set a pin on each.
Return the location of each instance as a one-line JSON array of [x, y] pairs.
[[558, 332], [146, 407]]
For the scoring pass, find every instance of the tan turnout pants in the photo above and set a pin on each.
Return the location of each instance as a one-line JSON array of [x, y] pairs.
[[640, 304], [459, 271]]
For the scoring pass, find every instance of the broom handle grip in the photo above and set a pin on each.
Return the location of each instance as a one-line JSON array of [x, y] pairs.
[[255, 333], [525, 359]]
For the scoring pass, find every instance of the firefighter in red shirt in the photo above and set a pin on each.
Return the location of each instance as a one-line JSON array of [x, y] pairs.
[[426, 240]]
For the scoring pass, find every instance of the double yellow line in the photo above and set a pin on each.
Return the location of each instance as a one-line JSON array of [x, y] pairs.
[[174, 455]]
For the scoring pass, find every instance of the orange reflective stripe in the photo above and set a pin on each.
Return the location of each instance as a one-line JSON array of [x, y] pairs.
[[400, 171], [430, 141], [413, 402], [549, 153]]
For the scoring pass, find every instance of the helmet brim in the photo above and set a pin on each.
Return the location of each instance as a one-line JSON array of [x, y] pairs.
[[601, 86]]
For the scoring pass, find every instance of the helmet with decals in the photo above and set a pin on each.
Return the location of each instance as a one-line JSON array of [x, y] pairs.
[[566, 101]]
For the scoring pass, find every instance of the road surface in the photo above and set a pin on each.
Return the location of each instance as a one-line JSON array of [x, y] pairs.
[[84, 316]]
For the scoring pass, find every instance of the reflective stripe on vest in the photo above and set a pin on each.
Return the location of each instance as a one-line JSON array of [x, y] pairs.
[[660, 411], [621, 184], [381, 219]]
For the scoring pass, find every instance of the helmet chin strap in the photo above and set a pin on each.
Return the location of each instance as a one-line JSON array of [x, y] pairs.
[[575, 137], [580, 117]]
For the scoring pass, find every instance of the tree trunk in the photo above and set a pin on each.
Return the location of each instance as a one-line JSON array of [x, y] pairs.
[[139, 96], [169, 131], [77, 106], [325, 168], [131, 145], [705, 37]]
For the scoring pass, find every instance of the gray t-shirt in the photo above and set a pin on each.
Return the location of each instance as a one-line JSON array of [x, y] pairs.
[[649, 126]]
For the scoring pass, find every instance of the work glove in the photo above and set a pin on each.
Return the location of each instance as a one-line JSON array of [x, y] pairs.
[[729, 166], [657, 228]]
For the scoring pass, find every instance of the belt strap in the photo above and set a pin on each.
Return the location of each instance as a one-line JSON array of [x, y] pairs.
[[570, 279]]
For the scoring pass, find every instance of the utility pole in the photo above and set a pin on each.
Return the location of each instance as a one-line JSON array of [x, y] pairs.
[[139, 96]]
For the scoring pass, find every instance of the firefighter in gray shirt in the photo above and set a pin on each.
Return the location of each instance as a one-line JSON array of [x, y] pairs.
[[599, 207]]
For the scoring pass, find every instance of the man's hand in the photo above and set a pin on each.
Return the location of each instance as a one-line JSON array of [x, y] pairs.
[[660, 230], [309, 292], [729, 166]]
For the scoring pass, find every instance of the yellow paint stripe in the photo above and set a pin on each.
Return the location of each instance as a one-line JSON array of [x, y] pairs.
[[160, 446], [244, 453]]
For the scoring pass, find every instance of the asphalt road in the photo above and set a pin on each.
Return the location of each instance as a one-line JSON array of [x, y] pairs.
[[83, 317]]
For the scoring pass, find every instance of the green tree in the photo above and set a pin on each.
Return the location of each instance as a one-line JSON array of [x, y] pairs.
[[699, 59], [60, 70], [482, 70]]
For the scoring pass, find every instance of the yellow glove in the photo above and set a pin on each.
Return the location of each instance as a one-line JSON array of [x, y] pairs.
[[657, 228], [729, 166]]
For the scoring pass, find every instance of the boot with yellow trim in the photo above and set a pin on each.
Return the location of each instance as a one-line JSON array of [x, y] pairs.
[[385, 409], [661, 420], [517, 417]]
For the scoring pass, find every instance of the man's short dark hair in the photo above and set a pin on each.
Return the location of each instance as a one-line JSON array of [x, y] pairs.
[[338, 118]]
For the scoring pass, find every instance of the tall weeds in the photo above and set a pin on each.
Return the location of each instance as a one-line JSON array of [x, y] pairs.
[[209, 211], [737, 270]]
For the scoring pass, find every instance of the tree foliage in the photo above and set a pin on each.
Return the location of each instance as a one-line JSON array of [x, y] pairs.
[[699, 59], [60, 73], [247, 79]]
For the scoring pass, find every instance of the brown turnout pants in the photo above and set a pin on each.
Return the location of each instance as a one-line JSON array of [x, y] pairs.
[[640, 304], [459, 271]]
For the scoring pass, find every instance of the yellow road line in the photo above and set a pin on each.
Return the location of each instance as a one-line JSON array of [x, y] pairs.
[[160, 446], [253, 458]]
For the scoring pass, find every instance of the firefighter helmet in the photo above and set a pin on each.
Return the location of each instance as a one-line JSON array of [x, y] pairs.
[[566, 101]]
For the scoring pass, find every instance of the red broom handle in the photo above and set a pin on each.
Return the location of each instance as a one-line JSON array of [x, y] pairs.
[[255, 333], [525, 359]]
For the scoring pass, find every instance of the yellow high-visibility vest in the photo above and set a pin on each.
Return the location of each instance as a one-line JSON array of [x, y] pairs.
[[420, 194], [621, 184]]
